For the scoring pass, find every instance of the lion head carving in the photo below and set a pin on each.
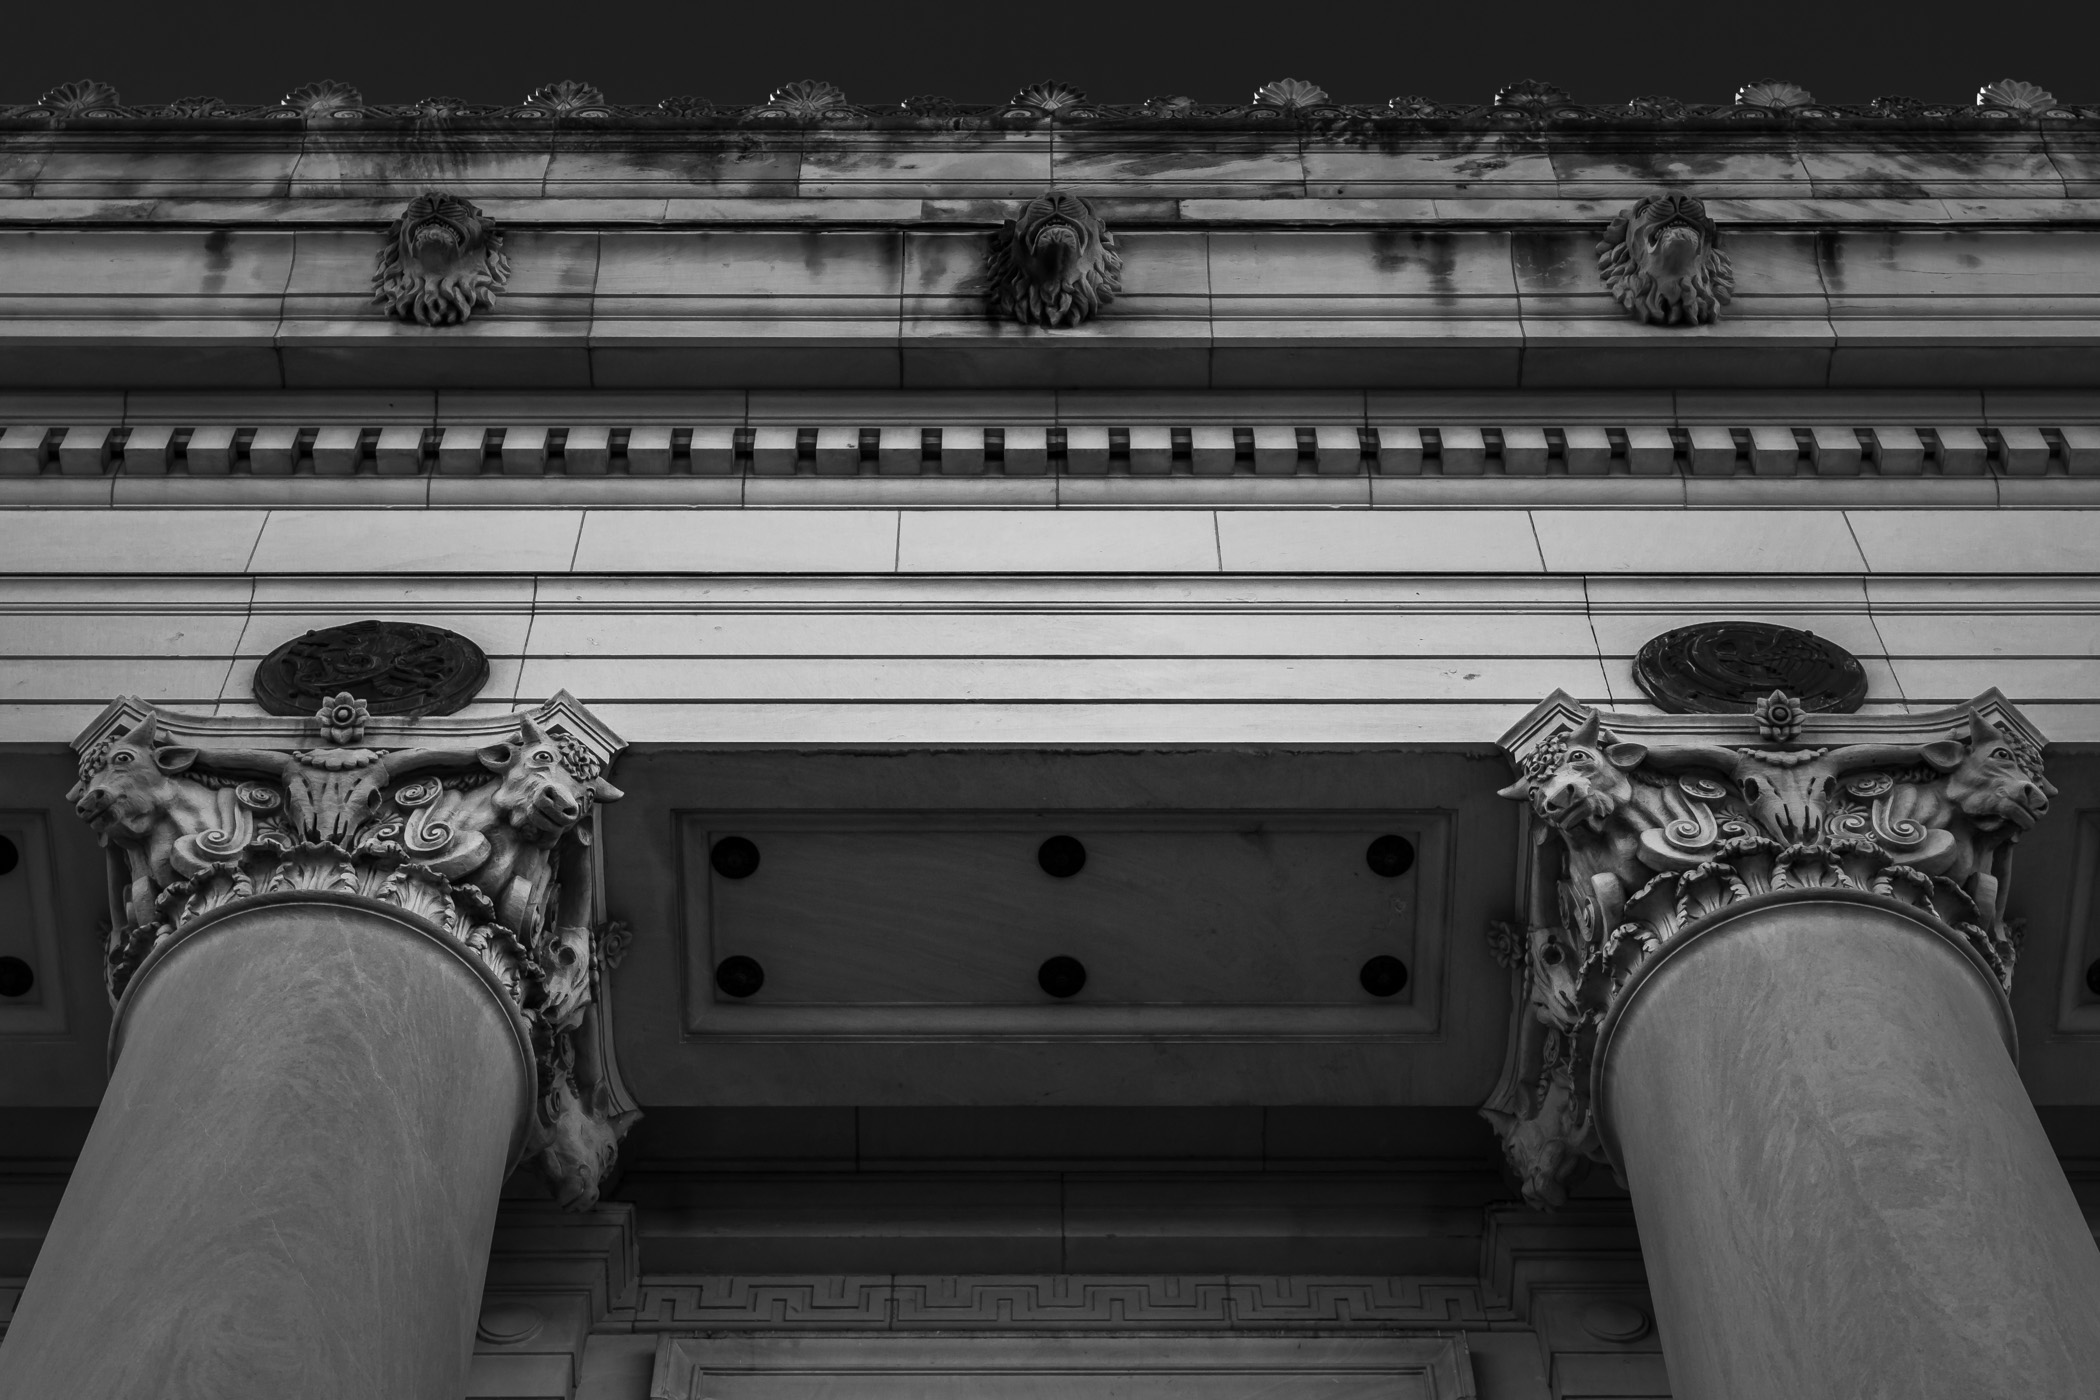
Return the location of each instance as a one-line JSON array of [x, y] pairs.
[[442, 261], [1054, 264], [1662, 259]]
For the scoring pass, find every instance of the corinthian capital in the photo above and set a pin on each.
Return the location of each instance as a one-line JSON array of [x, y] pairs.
[[1643, 825], [482, 827]]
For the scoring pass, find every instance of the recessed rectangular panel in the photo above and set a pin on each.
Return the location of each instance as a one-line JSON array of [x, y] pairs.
[[31, 1002], [1062, 1368], [2078, 1011], [1195, 923]]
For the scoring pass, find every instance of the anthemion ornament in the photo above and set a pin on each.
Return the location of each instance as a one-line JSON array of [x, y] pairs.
[[396, 668], [441, 262], [481, 829], [1643, 825], [1662, 260], [1053, 264]]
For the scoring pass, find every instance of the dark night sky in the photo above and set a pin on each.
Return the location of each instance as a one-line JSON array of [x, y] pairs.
[[1118, 50]]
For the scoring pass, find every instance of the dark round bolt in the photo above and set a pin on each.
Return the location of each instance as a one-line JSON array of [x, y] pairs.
[[16, 977], [1062, 856], [1390, 856], [734, 858], [1061, 976], [739, 976], [1383, 975], [2092, 977], [9, 856]]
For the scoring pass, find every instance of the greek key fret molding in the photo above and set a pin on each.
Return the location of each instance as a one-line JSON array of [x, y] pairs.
[[1054, 1302], [1644, 824], [486, 828]]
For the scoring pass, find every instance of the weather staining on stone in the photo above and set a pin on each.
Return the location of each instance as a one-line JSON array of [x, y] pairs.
[[1662, 260], [442, 261], [1055, 264]]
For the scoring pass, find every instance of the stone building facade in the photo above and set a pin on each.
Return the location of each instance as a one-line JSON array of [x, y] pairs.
[[1049, 750]]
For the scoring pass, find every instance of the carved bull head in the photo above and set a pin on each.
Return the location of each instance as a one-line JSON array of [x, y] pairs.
[[131, 786], [536, 794], [1588, 780], [1987, 779]]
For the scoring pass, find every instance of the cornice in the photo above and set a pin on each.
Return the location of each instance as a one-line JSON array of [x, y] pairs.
[[1287, 105]]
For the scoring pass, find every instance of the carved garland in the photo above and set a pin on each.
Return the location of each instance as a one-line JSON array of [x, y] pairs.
[[487, 837], [1643, 827]]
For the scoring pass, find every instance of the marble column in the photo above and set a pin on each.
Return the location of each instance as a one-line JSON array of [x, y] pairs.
[[1841, 1186], [291, 1184], [355, 964], [1763, 974]]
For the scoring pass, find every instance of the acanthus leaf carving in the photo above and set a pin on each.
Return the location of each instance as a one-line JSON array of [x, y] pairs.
[[1053, 264], [1662, 260], [441, 261], [1643, 826], [488, 838]]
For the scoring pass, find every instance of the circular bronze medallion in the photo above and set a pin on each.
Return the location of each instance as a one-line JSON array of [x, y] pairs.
[[1725, 668], [397, 668]]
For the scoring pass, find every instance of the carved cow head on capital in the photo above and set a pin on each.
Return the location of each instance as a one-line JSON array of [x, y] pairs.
[[1992, 780], [536, 792], [130, 785], [1586, 780]]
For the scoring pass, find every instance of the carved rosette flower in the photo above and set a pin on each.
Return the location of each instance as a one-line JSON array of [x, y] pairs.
[[567, 98], [441, 261], [1291, 95], [327, 100], [1531, 95], [2012, 95], [1774, 96], [805, 101], [1053, 264], [480, 831], [1048, 97], [1646, 826], [1778, 718], [343, 719], [85, 97], [1662, 260]]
